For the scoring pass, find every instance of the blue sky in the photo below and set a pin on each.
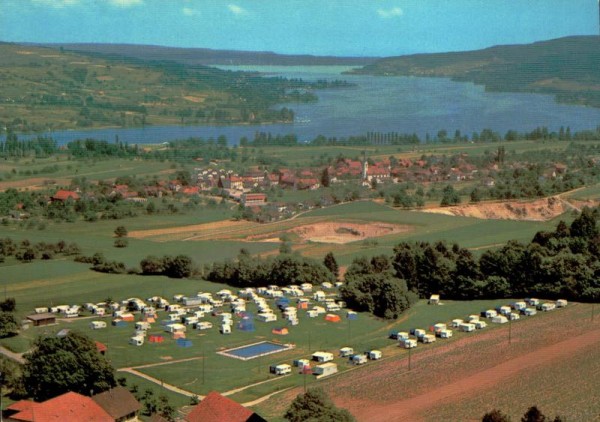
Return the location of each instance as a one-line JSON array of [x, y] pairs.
[[321, 27]]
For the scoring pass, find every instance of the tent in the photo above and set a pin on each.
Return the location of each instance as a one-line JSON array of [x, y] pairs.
[[247, 322], [352, 316], [181, 342], [119, 323], [156, 339], [332, 318], [178, 335], [283, 331]]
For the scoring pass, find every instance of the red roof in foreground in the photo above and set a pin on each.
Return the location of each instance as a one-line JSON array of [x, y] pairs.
[[68, 407], [217, 408]]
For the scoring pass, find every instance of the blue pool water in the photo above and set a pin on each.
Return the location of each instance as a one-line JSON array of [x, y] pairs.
[[255, 350]]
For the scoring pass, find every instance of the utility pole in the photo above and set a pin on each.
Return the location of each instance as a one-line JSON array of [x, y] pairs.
[[409, 353], [509, 330]]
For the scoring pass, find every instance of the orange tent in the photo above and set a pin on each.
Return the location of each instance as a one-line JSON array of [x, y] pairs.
[[332, 318]]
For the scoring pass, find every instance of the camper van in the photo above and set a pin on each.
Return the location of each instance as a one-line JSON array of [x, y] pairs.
[[358, 359], [136, 341], [283, 369]]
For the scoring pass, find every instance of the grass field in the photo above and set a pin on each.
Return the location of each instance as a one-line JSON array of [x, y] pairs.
[[386, 386]]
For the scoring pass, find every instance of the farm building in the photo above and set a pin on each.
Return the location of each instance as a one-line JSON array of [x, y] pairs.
[[322, 356], [434, 300], [96, 325], [325, 369], [119, 403], [346, 351], [42, 319], [358, 359], [561, 303], [59, 408], [408, 343], [499, 319], [217, 408], [283, 369]]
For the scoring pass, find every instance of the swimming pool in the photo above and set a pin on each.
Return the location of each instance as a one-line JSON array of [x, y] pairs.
[[255, 350]]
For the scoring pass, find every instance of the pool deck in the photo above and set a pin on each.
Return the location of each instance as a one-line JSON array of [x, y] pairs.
[[282, 348]]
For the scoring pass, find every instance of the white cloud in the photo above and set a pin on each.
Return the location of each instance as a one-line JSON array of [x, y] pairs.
[[390, 13], [236, 10], [57, 3], [188, 11], [125, 3]]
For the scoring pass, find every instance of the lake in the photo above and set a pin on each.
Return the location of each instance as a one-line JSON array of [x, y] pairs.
[[381, 104]]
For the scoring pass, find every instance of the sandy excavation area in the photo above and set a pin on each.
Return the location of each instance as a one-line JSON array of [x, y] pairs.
[[341, 232], [539, 210]]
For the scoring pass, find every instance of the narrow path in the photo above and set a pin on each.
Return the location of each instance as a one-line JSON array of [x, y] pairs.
[[169, 387], [263, 398], [17, 357], [410, 409]]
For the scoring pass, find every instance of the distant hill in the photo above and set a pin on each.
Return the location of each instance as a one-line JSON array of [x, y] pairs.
[[52, 89], [566, 67], [206, 56]]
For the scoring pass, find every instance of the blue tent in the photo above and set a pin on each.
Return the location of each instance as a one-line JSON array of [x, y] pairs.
[[182, 342], [353, 316], [247, 322]]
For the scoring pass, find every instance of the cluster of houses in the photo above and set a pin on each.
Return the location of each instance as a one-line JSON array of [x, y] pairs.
[[120, 405], [473, 322]]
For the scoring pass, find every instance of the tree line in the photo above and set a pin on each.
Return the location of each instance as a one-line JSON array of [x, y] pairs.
[[561, 263], [284, 269]]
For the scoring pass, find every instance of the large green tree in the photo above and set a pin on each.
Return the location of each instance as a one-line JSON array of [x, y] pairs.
[[57, 365], [315, 406]]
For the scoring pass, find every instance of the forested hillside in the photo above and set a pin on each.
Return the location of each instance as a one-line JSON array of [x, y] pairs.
[[567, 67], [46, 89]]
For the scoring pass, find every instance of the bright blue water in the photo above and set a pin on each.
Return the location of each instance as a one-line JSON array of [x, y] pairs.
[[255, 350], [382, 104]]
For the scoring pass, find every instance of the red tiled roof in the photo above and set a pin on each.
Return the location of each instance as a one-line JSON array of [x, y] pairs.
[[63, 195], [67, 407], [217, 408]]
